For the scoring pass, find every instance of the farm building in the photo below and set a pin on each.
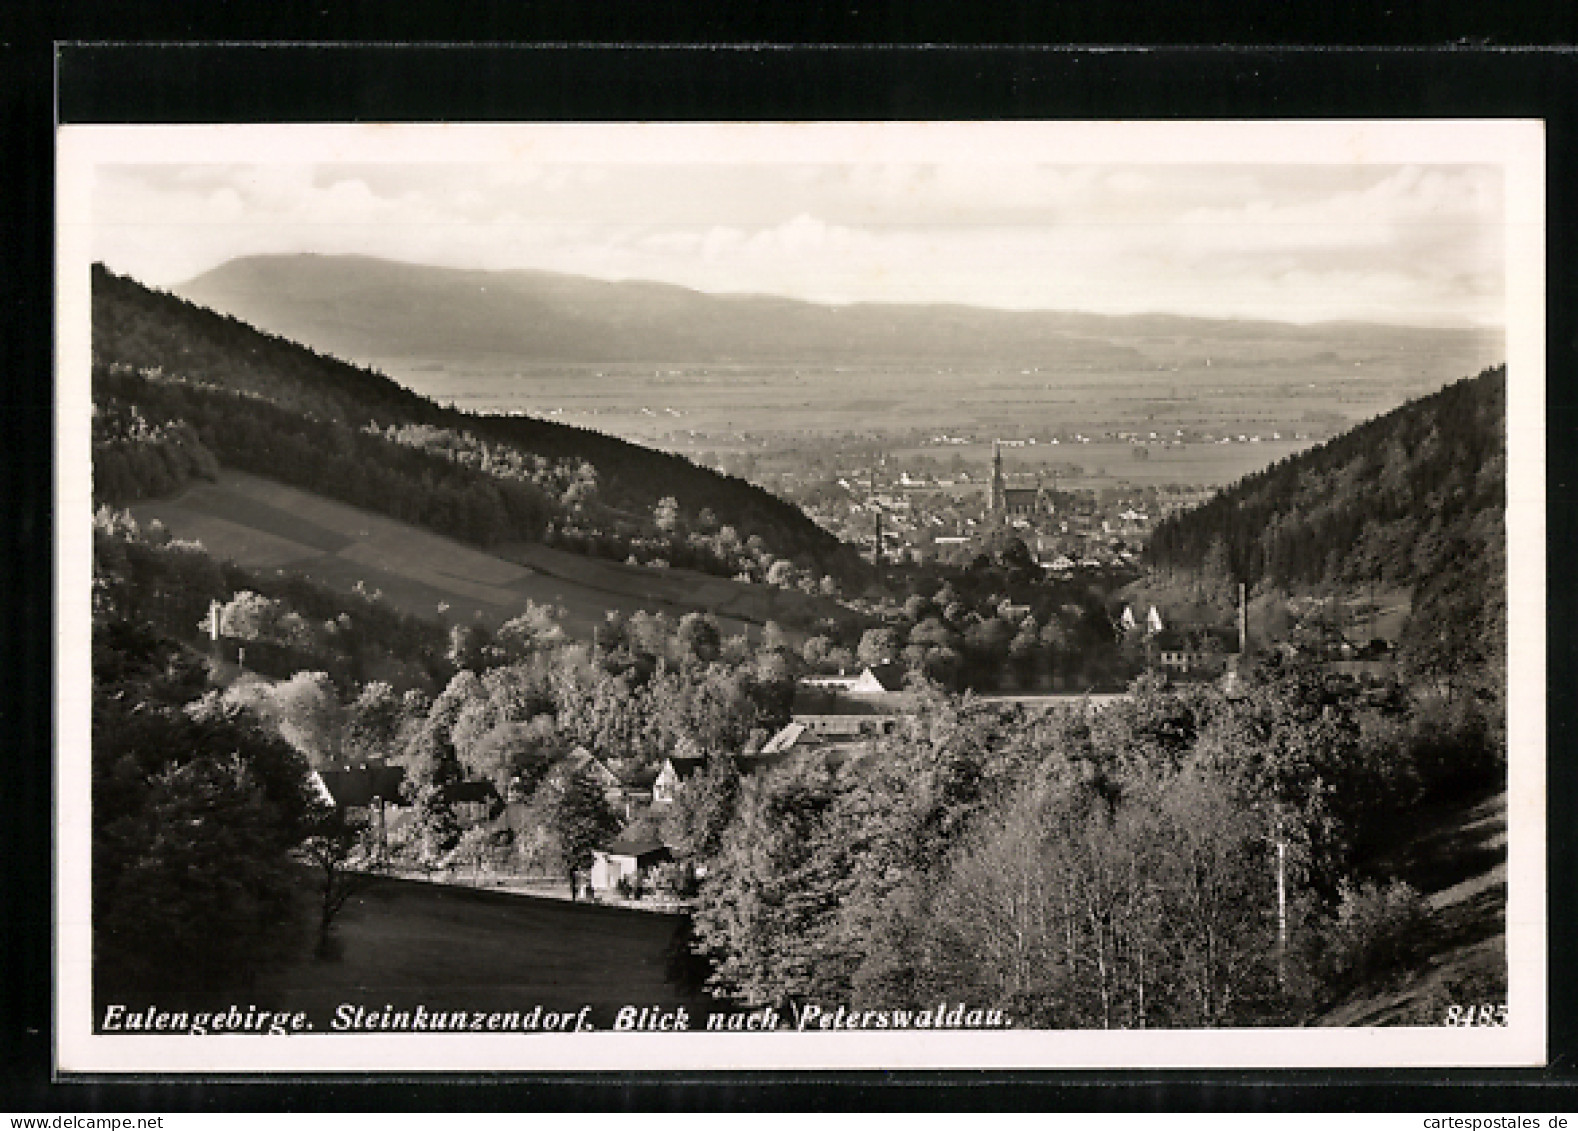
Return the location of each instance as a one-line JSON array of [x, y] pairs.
[[630, 857], [361, 787], [878, 688], [872, 706], [1198, 653], [680, 768], [875, 679], [622, 796]]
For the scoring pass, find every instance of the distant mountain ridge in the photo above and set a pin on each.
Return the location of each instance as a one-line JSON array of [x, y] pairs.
[[362, 307]]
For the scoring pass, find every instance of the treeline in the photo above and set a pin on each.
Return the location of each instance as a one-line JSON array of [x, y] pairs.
[[444, 481], [134, 458], [147, 331], [964, 636], [1115, 871]]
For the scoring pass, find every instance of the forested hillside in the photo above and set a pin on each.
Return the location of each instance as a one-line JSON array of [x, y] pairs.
[[1414, 499], [177, 385]]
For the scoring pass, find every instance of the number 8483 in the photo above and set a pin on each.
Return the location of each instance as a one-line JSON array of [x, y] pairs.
[[1476, 1015]]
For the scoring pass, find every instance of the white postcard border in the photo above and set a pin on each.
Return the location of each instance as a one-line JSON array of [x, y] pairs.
[[1516, 146]]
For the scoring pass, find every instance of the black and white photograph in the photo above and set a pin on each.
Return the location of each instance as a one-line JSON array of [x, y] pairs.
[[828, 595]]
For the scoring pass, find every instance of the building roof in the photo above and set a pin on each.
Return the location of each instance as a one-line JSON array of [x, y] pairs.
[[637, 844], [583, 761], [834, 682], [468, 792], [355, 786], [890, 677], [687, 765], [784, 739]]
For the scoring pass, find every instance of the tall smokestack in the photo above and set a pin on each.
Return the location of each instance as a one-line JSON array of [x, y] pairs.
[[876, 509]]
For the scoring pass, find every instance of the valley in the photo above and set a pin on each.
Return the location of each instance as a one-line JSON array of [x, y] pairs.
[[847, 772], [707, 374]]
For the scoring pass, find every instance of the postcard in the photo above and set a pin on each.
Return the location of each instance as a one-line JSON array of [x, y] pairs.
[[560, 597]]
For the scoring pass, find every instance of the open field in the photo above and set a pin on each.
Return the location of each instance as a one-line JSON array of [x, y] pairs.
[[266, 525], [399, 944], [407, 943], [718, 407]]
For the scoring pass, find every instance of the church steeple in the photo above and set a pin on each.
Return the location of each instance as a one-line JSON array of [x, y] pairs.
[[998, 501]]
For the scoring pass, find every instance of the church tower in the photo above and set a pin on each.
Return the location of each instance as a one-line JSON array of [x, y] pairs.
[[999, 501]]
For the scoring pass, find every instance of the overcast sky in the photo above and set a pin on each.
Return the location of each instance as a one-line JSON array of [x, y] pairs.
[[1386, 243]]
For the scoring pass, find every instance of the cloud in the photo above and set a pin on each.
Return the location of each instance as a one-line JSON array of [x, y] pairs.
[[1414, 243]]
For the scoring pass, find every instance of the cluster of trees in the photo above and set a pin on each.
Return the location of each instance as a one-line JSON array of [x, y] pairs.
[[201, 816], [1120, 870], [287, 388], [330, 458], [1383, 501], [133, 458], [972, 637], [522, 697]]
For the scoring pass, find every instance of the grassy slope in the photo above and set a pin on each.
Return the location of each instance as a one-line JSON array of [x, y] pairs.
[[263, 524], [1457, 855]]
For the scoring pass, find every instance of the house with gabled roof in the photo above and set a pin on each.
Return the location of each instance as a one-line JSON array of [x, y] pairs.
[[620, 794], [679, 768], [879, 679]]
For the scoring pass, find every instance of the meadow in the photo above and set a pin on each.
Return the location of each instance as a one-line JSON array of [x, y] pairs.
[[263, 524], [397, 945]]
